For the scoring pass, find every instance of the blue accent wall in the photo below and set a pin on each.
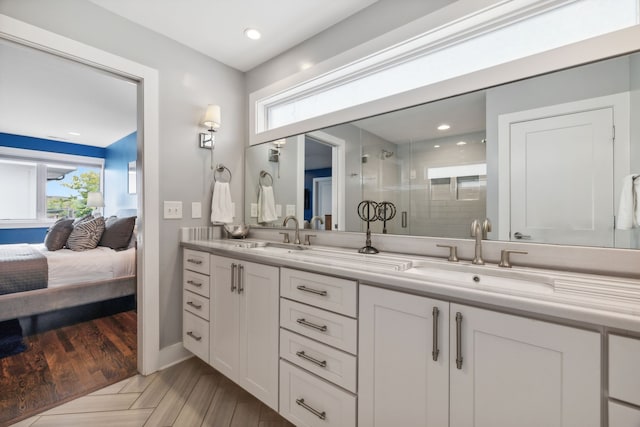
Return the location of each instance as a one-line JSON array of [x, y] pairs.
[[308, 186], [116, 172], [38, 144], [36, 235]]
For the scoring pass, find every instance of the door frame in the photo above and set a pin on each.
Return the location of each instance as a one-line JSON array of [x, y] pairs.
[[316, 187], [619, 102], [147, 162]]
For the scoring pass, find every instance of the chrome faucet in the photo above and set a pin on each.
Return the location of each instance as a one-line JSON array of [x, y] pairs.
[[316, 218], [479, 231], [296, 239]]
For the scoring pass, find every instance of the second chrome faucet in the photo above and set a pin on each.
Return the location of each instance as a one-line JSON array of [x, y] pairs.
[[479, 231], [295, 220]]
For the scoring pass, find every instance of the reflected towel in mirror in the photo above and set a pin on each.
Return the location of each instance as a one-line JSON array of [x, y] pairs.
[[266, 204], [221, 204], [629, 208]]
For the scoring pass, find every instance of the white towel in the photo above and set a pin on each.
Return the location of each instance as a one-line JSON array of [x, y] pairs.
[[221, 205], [266, 204], [629, 208]]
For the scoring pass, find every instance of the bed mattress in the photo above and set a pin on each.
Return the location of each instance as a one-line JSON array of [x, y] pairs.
[[67, 267]]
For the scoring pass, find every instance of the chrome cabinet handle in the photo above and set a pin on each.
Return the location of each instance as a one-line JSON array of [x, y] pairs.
[[303, 322], [459, 340], [194, 305], [311, 290], [194, 336], [233, 277], [240, 279], [518, 235], [196, 284], [321, 363], [322, 415], [194, 261], [435, 352]]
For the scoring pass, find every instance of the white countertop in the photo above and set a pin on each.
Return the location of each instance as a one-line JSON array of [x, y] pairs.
[[592, 300]]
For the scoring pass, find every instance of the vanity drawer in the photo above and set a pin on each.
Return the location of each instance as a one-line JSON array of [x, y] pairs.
[[196, 304], [623, 416], [330, 328], [624, 369], [308, 401], [330, 293], [196, 261], [195, 335], [331, 364], [196, 282]]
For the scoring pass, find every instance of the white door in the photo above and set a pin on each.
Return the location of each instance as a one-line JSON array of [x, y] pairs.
[[224, 321], [562, 188], [259, 320], [399, 382], [322, 195], [521, 372]]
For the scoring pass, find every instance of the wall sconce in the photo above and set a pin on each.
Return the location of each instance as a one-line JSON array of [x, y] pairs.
[[274, 153], [212, 122]]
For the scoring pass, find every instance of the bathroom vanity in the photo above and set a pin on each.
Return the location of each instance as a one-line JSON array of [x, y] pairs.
[[327, 336]]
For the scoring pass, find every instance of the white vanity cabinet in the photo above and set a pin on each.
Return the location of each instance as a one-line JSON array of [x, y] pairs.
[[244, 325], [318, 349], [624, 381], [500, 370]]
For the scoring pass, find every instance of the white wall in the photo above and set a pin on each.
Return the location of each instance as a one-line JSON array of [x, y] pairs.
[[188, 82]]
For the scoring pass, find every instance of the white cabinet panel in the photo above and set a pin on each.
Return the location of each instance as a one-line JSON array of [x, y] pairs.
[[195, 261], [225, 325], [624, 369], [196, 282], [400, 383], [623, 416], [330, 293], [308, 401], [524, 372], [195, 335], [196, 304]]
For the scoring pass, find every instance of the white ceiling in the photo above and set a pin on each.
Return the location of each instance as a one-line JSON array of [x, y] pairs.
[[216, 27], [44, 96]]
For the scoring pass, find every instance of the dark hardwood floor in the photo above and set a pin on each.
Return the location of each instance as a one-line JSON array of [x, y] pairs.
[[67, 362]]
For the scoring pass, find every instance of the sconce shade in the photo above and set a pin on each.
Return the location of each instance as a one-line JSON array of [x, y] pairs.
[[95, 200], [212, 117]]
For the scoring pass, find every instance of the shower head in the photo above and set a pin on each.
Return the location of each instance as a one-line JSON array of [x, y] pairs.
[[386, 154]]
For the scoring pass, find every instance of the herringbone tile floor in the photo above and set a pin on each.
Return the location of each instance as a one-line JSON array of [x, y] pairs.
[[189, 394]]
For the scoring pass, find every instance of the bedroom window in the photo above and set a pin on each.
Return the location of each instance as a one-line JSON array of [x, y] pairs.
[[36, 191]]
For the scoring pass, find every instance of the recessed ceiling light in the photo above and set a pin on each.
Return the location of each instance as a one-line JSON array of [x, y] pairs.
[[461, 143], [306, 65], [436, 146], [74, 133], [444, 126], [252, 33]]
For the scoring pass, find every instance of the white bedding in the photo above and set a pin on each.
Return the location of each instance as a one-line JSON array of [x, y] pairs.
[[68, 267]]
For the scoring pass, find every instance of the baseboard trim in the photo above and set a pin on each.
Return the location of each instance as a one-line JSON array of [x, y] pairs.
[[172, 355]]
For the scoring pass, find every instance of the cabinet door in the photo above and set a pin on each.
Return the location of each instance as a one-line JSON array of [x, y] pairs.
[[224, 303], [258, 295], [522, 372], [399, 382]]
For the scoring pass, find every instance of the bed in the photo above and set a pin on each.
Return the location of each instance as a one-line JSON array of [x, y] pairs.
[[70, 278]]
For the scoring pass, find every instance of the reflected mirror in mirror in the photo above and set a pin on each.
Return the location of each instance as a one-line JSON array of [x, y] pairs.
[[549, 159]]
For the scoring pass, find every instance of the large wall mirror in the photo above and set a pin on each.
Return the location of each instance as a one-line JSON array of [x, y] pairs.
[[546, 159]]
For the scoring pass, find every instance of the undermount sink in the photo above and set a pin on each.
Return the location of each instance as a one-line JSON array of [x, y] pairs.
[[482, 276]]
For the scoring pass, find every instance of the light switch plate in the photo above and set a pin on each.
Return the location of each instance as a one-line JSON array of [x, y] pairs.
[[291, 209], [278, 210], [254, 210], [172, 210], [196, 210]]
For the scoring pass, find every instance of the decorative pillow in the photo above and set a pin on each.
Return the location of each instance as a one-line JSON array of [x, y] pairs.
[[117, 232], [86, 234], [58, 234]]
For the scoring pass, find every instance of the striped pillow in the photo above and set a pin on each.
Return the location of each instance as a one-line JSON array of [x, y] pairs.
[[86, 235]]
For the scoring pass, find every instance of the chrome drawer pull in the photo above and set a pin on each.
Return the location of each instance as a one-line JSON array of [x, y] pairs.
[[233, 277], [194, 305], [194, 261], [459, 340], [435, 350], [240, 278], [194, 336], [321, 363], [303, 322], [196, 284], [311, 291], [322, 415]]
